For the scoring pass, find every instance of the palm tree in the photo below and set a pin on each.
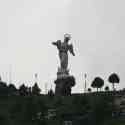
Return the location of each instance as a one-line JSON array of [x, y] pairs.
[[114, 78], [97, 83]]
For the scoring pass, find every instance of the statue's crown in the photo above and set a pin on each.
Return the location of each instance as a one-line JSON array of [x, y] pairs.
[[67, 35]]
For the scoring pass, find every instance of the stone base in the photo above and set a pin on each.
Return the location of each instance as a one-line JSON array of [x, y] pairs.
[[64, 85], [62, 73]]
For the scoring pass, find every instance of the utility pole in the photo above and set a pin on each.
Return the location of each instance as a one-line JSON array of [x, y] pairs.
[[85, 76], [36, 77], [51, 87], [46, 85]]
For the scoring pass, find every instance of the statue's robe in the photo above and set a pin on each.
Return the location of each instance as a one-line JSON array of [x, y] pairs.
[[63, 53]]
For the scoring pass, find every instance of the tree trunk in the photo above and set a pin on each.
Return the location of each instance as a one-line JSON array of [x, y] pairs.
[[97, 89], [100, 89], [113, 86]]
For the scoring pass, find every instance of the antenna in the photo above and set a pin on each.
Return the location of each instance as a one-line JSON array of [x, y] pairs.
[[85, 76]]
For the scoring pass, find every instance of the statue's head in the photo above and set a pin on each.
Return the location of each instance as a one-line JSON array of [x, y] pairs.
[[67, 37]]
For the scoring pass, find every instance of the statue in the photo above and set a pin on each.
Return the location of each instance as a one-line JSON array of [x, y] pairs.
[[63, 48], [63, 72]]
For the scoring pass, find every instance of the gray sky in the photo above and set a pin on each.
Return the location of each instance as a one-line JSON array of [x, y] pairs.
[[27, 28]]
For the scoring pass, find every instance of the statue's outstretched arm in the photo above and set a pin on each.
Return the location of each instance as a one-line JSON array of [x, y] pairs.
[[54, 43], [57, 43], [71, 50]]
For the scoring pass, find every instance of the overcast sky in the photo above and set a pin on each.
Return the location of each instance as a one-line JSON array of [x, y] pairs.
[[27, 28]]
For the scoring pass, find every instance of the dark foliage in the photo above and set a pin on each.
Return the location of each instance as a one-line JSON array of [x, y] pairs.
[[89, 89], [106, 88], [23, 90], [36, 90], [12, 89], [30, 110], [29, 107], [3, 88], [50, 93], [97, 83], [114, 78]]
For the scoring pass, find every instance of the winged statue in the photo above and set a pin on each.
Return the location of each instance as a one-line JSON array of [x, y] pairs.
[[63, 48]]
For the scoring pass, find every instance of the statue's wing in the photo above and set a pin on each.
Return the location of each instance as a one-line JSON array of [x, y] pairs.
[[71, 49]]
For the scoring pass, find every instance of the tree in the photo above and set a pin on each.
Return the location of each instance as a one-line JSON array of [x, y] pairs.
[[29, 90], [3, 88], [36, 90], [23, 90], [12, 89], [106, 88], [114, 78], [97, 83], [89, 90], [51, 93]]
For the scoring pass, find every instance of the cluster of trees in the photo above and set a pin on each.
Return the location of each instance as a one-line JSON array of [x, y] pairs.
[[22, 90], [98, 82], [10, 89], [34, 90]]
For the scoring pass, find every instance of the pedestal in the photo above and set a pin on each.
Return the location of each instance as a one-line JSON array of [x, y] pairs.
[[64, 83]]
